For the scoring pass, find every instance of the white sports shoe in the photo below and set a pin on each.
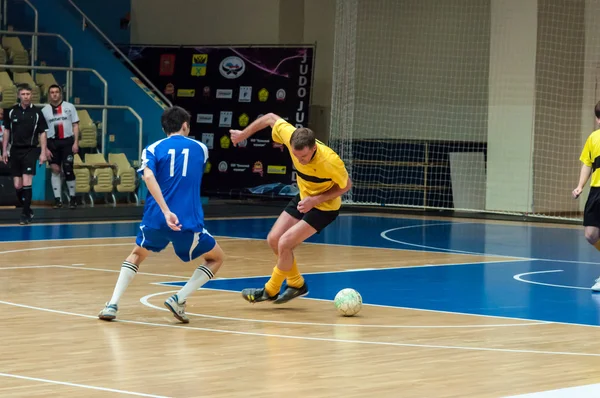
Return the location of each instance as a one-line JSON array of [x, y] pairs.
[[177, 309], [109, 312], [596, 287]]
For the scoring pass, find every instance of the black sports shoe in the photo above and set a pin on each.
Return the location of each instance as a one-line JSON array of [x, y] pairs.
[[57, 203], [291, 293], [25, 219], [254, 295], [73, 203]]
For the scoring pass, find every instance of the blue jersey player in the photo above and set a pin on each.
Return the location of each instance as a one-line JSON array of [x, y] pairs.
[[172, 169]]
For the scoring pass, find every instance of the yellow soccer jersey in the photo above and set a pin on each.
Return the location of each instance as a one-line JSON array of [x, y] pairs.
[[318, 176], [590, 156]]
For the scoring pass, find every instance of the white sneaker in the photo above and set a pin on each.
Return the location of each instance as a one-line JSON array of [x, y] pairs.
[[109, 312], [596, 287], [177, 309]]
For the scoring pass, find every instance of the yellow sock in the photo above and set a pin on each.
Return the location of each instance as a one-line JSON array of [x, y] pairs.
[[597, 245], [294, 279], [274, 284]]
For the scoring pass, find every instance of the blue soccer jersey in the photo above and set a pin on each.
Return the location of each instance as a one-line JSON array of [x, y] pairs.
[[178, 164]]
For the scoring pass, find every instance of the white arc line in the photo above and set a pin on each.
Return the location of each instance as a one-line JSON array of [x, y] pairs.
[[519, 277]]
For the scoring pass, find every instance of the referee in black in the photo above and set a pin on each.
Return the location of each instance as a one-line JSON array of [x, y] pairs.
[[25, 128]]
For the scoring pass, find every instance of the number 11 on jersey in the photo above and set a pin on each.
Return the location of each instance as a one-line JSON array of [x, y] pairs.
[[185, 152]]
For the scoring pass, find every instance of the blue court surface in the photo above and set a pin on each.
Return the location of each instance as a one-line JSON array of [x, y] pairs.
[[546, 275]]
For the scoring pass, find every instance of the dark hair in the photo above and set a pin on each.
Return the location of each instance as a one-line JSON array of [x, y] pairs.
[[302, 138], [25, 87], [173, 118], [55, 86], [597, 110]]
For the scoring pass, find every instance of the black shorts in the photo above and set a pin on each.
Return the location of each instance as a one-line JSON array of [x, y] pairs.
[[591, 214], [318, 219], [23, 160], [61, 149]]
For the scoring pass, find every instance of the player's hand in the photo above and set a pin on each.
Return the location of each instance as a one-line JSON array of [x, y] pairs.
[[5, 158], [237, 136], [306, 204], [576, 192], [75, 148], [43, 157], [172, 221], [48, 154]]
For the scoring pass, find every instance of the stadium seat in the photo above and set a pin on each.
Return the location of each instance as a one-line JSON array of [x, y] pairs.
[[103, 175], [8, 90], [87, 131], [25, 78], [44, 81], [83, 179], [126, 176], [16, 51]]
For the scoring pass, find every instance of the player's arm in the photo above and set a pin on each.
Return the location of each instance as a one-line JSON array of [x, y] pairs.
[[262, 122], [6, 137], [75, 121], [586, 168], [311, 201], [156, 192], [42, 127]]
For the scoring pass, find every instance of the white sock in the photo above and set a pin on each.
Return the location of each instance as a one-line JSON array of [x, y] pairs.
[[56, 185], [128, 271], [71, 186], [201, 275]]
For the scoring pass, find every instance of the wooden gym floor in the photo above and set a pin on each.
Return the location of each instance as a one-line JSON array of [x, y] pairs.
[[453, 308]]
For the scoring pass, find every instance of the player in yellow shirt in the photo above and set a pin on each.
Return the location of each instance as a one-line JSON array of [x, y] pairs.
[[590, 156], [322, 180]]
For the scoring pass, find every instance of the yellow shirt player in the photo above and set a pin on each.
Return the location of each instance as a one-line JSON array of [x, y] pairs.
[[590, 157], [322, 180]]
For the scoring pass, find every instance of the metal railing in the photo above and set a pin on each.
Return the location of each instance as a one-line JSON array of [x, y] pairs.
[[35, 26], [67, 69], [147, 81], [135, 114], [69, 83]]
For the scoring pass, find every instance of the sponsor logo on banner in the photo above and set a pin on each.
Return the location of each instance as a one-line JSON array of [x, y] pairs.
[[302, 92], [225, 142], [276, 169], [208, 139], [278, 145], [206, 91], [207, 168], [263, 95], [280, 94], [232, 67], [169, 89], [245, 94], [199, 62], [224, 93], [167, 64], [223, 166], [239, 167], [258, 143], [225, 119], [258, 168], [185, 92], [204, 118], [243, 120], [243, 143]]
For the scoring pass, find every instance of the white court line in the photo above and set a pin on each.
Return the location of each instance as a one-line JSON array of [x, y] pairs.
[[64, 383], [461, 252], [309, 338], [145, 300], [519, 277], [589, 391], [29, 266]]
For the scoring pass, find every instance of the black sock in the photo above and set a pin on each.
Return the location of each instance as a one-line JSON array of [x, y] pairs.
[[20, 196], [27, 199]]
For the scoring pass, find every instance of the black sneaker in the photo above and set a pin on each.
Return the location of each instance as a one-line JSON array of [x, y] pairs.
[[25, 219], [73, 203], [253, 295], [57, 203], [291, 293]]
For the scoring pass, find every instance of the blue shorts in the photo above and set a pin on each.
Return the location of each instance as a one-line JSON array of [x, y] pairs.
[[188, 245]]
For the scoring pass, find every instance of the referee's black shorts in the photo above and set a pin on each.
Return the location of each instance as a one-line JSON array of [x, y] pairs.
[[318, 219], [23, 160], [591, 214]]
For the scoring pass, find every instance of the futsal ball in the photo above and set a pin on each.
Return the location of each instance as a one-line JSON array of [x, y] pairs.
[[348, 302]]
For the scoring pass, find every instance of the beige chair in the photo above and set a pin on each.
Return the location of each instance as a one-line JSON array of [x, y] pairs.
[[16, 51], [103, 175], [87, 130], [44, 81], [25, 78], [126, 180], [3, 58], [83, 179], [9, 91]]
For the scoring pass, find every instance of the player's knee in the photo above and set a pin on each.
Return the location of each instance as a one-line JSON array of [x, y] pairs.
[[592, 236], [286, 242], [68, 168], [273, 240]]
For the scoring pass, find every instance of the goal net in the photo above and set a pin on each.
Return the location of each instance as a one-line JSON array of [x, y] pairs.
[[465, 104]]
